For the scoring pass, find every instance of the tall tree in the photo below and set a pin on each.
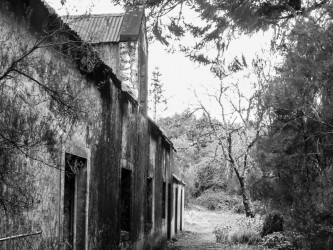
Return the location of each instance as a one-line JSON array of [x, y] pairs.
[[240, 121], [218, 21], [156, 94], [296, 156]]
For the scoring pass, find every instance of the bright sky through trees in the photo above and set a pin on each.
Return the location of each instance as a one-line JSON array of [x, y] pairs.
[[179, 75]]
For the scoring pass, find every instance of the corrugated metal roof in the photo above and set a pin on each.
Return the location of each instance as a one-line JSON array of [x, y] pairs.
[[96, 28]]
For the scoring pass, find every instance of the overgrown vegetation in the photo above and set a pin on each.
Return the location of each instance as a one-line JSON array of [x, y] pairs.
[[243, 231]]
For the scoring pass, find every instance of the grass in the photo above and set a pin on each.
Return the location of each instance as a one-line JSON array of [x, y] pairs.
[[239, 231], [243, 247], [236, 232]]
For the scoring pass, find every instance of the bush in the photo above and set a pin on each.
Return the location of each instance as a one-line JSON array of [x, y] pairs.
[[210, 200], [218, 201], [277, 241], [273, 223], [244, 231], [222, 233], [239, 208], [245, 236]]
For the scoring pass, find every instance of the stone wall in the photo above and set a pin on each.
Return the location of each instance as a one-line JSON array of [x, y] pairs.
[[129, 70]]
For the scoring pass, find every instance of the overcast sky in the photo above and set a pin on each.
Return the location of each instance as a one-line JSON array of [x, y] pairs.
[[179, 75]]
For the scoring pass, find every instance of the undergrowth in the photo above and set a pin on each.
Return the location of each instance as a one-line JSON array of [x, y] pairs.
[[241, 231], [220, 201]]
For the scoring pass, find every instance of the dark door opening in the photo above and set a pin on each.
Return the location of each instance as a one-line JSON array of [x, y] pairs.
[[181, 211], [169, 210], [69, 204], [163, 200], [75, 187], [149, 205], [176, 211], [125, 203]]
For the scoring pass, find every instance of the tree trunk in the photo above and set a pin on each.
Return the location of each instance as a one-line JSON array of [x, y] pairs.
[[246, 197], [245, 192]]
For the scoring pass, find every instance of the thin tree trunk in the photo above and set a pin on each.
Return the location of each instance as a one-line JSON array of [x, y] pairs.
[[242, 182], [246, 197], [245, 194]]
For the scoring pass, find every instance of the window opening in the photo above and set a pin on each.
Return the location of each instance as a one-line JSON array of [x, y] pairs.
[[149, 204], [125, 196], [176, 210], [74, 200], [170, 205], [181, 210], [163, 200]]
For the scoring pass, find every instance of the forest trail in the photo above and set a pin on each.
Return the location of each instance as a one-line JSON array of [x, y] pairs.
[[198, 230]]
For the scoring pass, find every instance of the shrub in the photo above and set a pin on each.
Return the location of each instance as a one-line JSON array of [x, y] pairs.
[[277, 241], [245, 236], [273, 223], [239, 208], [222, 233], [210, 200], [218, 200], [243, 231]]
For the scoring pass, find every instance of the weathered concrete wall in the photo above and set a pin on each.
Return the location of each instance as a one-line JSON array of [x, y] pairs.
[[45, 216]]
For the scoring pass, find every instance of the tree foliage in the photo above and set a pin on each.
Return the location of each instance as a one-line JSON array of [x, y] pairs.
[[156, 94], [196, 153], [217, 22], [296, 156]]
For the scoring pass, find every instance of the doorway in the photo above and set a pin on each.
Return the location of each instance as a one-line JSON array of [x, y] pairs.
[[75, 192]]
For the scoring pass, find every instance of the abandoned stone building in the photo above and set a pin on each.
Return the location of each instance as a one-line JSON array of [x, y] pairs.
[[115, 185]]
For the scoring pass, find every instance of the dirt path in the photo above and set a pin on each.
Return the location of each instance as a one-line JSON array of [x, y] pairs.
[[198, 230]]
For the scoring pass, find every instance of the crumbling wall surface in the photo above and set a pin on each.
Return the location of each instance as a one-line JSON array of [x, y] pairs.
[[140, 176], [166, 180], [158, 186], [157, 170], [44, 128], [105, 174], [109, 53], [142, 154]]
